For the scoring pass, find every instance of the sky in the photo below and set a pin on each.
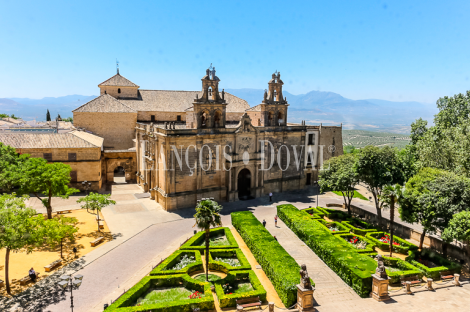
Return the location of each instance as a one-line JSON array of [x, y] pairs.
[[391, 50]]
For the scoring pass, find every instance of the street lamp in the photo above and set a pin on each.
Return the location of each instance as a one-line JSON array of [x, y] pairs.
[[68, 283], [87, 186]]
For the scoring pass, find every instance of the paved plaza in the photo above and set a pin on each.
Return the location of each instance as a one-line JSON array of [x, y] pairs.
[[145, 233]]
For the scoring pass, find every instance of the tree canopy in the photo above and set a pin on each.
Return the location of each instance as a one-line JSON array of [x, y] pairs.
[[96, 202], [58, 230], [459, 229], [10, 167]]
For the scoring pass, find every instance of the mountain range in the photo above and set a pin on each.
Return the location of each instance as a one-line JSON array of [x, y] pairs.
[[315, 107]]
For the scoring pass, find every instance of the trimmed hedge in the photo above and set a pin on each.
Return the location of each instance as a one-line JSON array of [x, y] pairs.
[[164, 268], [126, 303], [194, 242], [370, 244], [354, 268], [279, 266], [406, 269], [404, 247], [434, 273], [226, 300], [224, 267], [334, 214], [315, 212], [342, 228], [351, 223]]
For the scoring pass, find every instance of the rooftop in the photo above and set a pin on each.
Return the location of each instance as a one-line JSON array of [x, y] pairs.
[[118, 81], [73, 139]]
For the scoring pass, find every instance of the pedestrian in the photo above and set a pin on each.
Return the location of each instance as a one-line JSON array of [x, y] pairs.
[[264, 223], [32, 275], [275, 238], [275, 220], [270, 197]]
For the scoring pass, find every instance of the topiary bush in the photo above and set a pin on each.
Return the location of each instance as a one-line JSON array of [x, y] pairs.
[[194, 243], [229, 300], [223, 266], [279, 266], [358, 226], [167, 266], [340, 229]]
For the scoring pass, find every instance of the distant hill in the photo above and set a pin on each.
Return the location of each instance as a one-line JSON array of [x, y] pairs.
[[315, 107]]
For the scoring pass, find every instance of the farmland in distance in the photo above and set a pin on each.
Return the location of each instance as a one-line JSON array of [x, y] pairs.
[[361, 138]]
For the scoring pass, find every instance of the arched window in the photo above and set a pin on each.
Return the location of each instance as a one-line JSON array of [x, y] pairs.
[[203, 120], [119, 90], [270, 119], [280, 120], [217, 119]]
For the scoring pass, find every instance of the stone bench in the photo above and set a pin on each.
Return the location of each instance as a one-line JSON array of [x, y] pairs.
[[49, 267], [64, 211], [248, 303], [25, 280], [96, 241]]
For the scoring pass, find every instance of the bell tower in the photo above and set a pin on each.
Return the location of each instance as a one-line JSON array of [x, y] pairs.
[[274, 105], [210, 109]]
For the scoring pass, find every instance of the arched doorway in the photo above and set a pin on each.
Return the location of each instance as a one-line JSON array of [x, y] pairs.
[[119, 175], [244, 183]]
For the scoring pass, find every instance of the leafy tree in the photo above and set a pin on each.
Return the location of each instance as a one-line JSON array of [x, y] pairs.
[[418, 129], [58, 230], [207, 215], [338, 174], [349, 149], [10, 164], [452, 110], [95, 201], [13, 116], [432, 197], [4, 116], [39, 177], [392, 194], [19, 229], [378, 167], [68, 119], [48, 116], [459, 229]]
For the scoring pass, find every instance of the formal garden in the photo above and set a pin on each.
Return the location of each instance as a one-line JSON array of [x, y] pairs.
[[349, 247]]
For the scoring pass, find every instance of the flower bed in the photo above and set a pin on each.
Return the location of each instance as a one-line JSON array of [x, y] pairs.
[[223, 260], [419, 259], [279, 266], [355, 269], [237, 286], [359, 243], [128, 302], [170, 265], [382, 240], [197, 242], [335, 227]]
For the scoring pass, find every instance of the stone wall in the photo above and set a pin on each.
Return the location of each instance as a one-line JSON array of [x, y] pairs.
[[331, 136], [161, 116], [117, 129], [113, 159], [126, 92]]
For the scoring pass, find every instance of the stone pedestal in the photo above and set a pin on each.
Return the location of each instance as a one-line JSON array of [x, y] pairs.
[[380, 288], [305, 299]]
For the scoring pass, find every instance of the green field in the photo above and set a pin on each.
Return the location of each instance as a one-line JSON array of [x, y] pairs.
[[361, 138]]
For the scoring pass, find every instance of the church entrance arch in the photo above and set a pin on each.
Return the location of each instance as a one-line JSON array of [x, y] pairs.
[[119, 175], [244, 184]]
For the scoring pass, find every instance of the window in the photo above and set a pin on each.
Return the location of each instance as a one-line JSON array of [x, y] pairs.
[[311, 139], [105, 92], [47, 156], [119, 90], [152, 117], [72, 156], [178, 118], [309, 159], [309, 179], [73, 176]]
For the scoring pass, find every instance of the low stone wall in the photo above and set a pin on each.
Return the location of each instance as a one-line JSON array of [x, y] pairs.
[[435, 243]]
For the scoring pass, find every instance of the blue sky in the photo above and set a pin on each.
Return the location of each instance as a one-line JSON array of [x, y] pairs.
[[392, 50]]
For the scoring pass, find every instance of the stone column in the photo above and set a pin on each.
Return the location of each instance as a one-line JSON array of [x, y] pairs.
[[380, 287]]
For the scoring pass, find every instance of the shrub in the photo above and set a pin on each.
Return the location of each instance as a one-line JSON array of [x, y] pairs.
[[167, 266], [405, 269], [279, 266], [224, 267], [369, 247], [315, 212], [126, 303], [354, 268], [194, 243], [403, 248], [353, 224], [443, 265], [333, 214], [340, 229], [229, 300]]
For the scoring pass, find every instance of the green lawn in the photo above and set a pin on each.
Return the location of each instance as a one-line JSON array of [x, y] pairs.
[[356, 195], [212, 278], [165, 295]]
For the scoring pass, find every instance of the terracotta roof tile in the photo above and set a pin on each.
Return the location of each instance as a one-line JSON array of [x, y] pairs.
[[104, 104], [74, 139]]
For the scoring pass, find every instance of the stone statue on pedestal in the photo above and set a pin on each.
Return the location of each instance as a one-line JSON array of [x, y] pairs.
[[304, 279]]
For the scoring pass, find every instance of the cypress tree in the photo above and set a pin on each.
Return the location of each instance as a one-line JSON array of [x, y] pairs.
[[48, 116]]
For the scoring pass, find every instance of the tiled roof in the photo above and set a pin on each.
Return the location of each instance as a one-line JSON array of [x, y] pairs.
[[74, 139], [118, 81], [256, 108], [178, 101], [104, 104]]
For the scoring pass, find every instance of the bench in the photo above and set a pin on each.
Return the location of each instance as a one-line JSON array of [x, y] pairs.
[[413, 279], [96, 241], [49, 267], [249, 302], [64, 211], [446, 275], [27, 279]]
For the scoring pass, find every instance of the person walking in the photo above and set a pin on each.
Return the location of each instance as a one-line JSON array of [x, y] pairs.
[[270, 197], [264, 223], [275, 220]]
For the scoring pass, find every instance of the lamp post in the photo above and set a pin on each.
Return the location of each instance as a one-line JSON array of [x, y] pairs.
[[87, 186], [68, 283]]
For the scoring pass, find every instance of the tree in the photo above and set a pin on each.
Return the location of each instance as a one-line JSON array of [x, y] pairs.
[[392, 194], [432, 197], [95, 201], [207, 215], [48, 116], [58, 230], [13, 116], [39, 177], [19, 228], [459, 229], [338, 174], [418, 129], [68, 119], [377, 167], [10, 164]]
